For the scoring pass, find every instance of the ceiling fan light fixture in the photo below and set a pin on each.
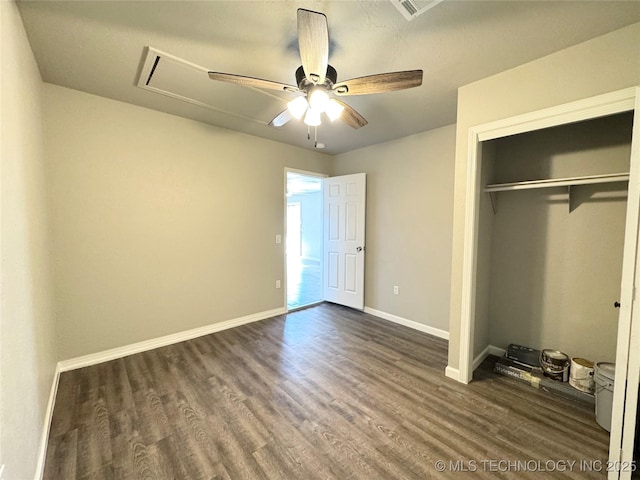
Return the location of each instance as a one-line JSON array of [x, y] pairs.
[[318, 99], [334, 109], [297, 107], [312, 118]]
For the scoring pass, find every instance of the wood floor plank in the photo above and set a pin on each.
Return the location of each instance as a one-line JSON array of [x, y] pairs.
[[118, 394], [66, 419], [154, 422], [123, 435], [62, 453], [104, 473], [94, 434], [279, 462], [340, 451], [138, 373], [321, 393]]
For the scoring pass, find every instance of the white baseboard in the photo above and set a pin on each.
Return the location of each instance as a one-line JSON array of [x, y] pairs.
[[489, 350], [497, 351], [48, 416], [452, 373], [479, 358], [119, 352], [436, 332]]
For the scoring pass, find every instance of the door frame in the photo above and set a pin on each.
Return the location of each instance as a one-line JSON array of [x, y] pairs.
[[307, 173], [590, 108]]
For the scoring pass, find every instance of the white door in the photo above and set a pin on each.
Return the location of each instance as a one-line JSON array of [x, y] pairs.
[[343, 256], [625, 394]]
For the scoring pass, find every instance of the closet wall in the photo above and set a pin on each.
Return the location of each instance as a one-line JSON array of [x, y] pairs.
[[485, 243], [554, 273]]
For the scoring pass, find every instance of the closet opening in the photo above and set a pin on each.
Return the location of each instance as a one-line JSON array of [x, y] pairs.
[[550, 246], [551, 240], [551, 236]]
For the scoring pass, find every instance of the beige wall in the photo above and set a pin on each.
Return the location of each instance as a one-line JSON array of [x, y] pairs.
[[409, 221], [555, 274], [601, 65], [27, 336], [160, 224]]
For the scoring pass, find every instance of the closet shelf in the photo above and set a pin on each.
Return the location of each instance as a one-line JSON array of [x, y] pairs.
[[556, 182]]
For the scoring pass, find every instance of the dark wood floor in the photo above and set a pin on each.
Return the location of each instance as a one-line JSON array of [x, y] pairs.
[[321, 393]]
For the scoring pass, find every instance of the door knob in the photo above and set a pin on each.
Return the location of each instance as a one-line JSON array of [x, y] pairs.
[[616, 304], [359, 249]]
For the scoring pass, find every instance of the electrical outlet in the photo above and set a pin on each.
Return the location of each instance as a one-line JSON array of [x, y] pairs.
[[396, 289], [277, 283], [278, 238]]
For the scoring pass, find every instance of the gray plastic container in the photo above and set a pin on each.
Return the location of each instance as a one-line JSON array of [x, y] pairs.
[[603, 376]]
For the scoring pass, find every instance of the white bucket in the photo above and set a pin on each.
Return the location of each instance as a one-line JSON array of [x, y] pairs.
[[604, 374], [581, 376]]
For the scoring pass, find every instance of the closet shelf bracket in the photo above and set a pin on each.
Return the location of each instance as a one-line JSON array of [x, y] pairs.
[[494, 202], [553, 183]]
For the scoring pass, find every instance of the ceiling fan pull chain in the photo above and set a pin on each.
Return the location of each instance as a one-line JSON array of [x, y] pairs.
[[315, 137], [308, 132]]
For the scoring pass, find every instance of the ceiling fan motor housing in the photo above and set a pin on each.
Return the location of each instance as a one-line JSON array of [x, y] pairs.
[[303, 84]]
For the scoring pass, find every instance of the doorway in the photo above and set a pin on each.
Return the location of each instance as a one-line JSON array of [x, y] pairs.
[[303, 239]]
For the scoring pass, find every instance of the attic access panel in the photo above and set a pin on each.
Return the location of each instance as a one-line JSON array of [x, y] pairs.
[[182, 80]]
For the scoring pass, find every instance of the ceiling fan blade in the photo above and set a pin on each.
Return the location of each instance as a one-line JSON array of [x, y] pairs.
[[281, 119], [252, 82], [313, 42], [351, 117], [382, 82]]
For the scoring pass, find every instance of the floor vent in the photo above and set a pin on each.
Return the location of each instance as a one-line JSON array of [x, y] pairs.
[[410, 9]]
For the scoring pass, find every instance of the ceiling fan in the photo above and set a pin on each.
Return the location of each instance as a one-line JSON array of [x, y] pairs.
[[317, 80]]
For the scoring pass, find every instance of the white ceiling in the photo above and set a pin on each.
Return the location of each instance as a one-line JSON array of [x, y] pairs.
[[99, 47]]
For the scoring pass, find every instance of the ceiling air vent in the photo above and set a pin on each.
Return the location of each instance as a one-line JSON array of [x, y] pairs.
[[410, 9]]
